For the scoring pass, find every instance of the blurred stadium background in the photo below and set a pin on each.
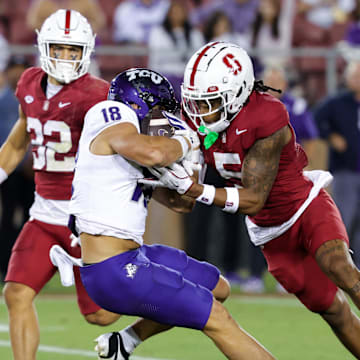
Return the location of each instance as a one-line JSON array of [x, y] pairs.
[[311, 41]]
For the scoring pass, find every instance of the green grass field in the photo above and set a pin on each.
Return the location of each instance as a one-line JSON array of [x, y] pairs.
[[284, 326]]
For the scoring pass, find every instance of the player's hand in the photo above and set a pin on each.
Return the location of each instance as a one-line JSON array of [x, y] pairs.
[[173, 177], [191, 161]]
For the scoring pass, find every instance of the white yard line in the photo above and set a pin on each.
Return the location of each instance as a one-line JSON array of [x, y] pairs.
[[4, 328], [64, 351]]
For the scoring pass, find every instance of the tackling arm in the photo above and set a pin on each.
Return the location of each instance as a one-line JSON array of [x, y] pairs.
[[14, 148], [174, 201], [258, 174]]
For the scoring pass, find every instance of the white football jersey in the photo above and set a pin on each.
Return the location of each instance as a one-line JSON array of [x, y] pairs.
[[106, 198]]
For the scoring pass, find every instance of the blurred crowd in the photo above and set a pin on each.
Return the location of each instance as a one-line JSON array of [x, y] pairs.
[[168, 32]]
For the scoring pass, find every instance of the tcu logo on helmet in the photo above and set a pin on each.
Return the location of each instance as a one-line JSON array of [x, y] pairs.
[[232, 63], [155, 78]]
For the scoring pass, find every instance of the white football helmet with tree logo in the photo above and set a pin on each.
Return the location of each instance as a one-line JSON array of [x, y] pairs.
[[67, 27], [219, 73]]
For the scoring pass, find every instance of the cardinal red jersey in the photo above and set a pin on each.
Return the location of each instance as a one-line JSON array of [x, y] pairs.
[[262, 116], [55, 125]]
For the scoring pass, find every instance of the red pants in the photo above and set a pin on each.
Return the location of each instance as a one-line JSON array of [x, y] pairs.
[[30, 262], [291, 256]]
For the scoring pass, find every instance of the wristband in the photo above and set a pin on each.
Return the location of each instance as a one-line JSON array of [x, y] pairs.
[[3, 175], [184, 144], [208, 195], [232, 200]]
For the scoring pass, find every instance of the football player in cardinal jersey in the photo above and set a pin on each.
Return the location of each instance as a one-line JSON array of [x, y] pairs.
[[53, 102], [246, 136]]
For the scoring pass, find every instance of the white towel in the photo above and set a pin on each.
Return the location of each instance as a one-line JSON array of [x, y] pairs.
[[65, 262], [260, 235]]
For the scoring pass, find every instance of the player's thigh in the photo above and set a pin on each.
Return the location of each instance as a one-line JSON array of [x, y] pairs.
[[29, 262], [292, 257], [131, 284], [198, 272]]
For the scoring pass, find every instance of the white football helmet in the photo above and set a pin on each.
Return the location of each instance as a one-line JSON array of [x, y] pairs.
[[218, 71], [66, 27]]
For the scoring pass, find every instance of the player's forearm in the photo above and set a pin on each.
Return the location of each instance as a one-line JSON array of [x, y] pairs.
[[172, 200], [160, 151], [10, 156], [234, 200]]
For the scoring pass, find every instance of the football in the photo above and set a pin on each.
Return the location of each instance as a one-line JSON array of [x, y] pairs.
[[160, 127]]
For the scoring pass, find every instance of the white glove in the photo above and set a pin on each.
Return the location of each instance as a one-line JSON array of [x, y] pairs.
[[190, 160], [173, 177]]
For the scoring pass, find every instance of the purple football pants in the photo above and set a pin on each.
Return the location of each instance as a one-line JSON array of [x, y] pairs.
[[156, 282]]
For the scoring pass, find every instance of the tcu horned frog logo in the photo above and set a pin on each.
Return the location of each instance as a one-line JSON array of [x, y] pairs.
[[232, 63]]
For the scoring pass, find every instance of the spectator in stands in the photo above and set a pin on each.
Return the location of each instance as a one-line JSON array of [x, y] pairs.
[[271, 30], [219, 27], [41, 9], [15, 28], [133, 20], [171, 43], [338, 119], [240, 12], [318, 23], [17, 192], [301, 117], [350, 45]]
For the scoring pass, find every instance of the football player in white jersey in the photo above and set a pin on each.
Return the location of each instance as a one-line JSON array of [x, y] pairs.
[[108, 211]]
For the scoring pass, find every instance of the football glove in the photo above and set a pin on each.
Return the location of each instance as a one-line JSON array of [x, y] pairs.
[[191, 160], [173, 177]]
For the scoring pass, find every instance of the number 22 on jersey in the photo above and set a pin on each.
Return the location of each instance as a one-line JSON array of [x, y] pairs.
[[44, 159]]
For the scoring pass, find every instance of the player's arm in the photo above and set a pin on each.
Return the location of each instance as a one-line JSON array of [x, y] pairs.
[[258, 174], [14, 148], [173, 200], [145, 150]]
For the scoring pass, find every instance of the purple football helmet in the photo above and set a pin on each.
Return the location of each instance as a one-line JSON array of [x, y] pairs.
[[143, 87]]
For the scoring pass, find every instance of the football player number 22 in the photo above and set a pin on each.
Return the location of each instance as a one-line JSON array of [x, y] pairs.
[[45, 157]]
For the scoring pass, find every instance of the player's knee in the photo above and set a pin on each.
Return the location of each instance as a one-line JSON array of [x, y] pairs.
[[343, 273], [339, 313], [334, 259], [16, 295], [101, 317], [222, 289]]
